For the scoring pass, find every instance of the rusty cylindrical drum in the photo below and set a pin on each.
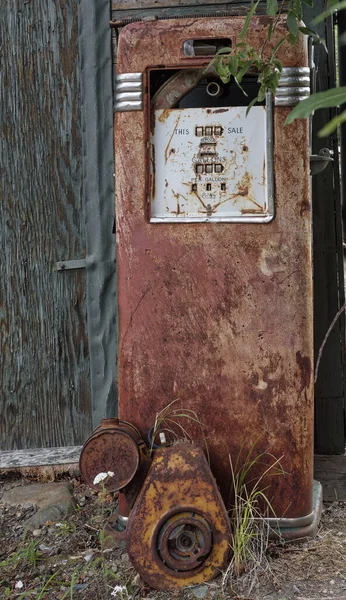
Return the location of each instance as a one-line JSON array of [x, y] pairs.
[[111, 448]]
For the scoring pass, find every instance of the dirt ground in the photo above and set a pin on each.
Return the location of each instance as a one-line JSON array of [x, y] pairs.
[[65, 560]]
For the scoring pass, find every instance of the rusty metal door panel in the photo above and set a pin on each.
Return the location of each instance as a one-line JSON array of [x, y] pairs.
[[218, 315]]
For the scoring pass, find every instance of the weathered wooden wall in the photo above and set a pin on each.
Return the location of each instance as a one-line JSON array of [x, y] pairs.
[[45, 393]]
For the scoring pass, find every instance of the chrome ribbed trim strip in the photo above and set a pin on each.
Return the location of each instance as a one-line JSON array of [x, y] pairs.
[[292, 91], [294, 86], [295, 72], [128, 92], [293, 81]]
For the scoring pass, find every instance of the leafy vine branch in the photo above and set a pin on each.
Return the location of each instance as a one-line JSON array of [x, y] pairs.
[[237, 61]]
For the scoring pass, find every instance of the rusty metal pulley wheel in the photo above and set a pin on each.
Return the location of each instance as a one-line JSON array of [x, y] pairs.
[[178, 532], [184, 541]]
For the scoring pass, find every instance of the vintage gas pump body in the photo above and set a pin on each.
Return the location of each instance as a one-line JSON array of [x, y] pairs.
[[213, 227]]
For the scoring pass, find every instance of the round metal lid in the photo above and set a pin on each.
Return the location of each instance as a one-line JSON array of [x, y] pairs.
[[109, 450]]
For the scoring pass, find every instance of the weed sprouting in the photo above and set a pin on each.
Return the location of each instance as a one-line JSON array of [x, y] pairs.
[[28, 552], [168, 420], [65, 529], [250, 507]]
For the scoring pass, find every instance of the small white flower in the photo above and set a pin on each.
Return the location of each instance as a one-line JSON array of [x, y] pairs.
[[102, 476], [88, 557], [19, 585], [118, 589]]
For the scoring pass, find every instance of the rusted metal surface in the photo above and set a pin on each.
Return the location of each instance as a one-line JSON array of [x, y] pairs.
[[115, 534], [218, 315], [113, 446], [184, 541], [178, 532]]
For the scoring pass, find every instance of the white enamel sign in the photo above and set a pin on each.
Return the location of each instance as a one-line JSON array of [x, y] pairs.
[[210, 164]]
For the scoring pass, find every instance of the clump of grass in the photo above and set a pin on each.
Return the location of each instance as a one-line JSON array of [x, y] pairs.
[[168, 420], [250, 527], [28, 553], [65, 529]]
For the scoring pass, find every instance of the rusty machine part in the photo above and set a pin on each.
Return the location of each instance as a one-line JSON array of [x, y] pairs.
[[178, 532], [184, 541], [115, 446]]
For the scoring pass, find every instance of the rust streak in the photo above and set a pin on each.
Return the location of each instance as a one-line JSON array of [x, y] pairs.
[[304, 364], [201, 201], [288, 276], [251, 211], [170, 139], [134, 312], [165, 115]]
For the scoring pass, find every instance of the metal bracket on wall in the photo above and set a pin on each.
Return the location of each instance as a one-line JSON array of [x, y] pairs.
[[65, 265], [318, 162]]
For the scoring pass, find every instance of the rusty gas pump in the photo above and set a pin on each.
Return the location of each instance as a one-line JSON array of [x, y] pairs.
[[214, 293]]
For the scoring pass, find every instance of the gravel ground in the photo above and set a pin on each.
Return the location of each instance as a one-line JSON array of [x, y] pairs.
[[65, 560]]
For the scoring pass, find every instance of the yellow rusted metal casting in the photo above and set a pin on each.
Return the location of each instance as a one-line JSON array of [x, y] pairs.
[[178, 532]]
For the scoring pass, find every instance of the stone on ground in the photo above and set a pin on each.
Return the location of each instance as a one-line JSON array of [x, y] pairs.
[[54, 501]]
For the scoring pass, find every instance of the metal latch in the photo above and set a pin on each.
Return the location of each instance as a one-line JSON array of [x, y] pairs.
[[65, 265], [318, 162]]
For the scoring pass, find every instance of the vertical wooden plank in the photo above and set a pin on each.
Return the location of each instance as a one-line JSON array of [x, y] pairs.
[[44, 368], [328, 264]]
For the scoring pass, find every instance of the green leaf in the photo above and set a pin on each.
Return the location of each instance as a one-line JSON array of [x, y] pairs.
[[309, 2], [298, 9], [224, 51], [248, 19], [272, 7], [261, 93], [329, 11], [251, 105], [292, 23], [332, 125], [292, 39], [244, 69], [233, 64], [240, 87], [223, 71], [308, 31], [277, 64], [315, 37], [327, 99]]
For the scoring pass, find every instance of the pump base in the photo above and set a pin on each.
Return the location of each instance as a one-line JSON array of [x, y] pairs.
[[302, 529]]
